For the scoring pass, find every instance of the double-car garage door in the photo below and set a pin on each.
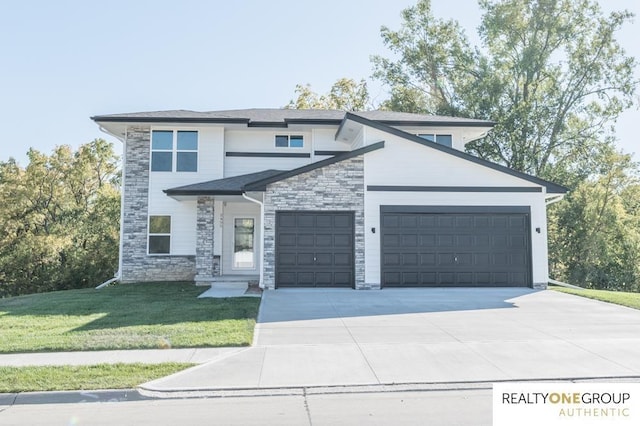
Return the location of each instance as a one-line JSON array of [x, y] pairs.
[[419, 247], [455, 246]]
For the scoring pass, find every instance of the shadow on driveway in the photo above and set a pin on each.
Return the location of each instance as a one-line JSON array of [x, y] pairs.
[[311, 304]]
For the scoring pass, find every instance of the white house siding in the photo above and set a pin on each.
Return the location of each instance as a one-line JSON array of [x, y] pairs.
[[459, 135], [183, 213], [260, 141], [324, 140], [406, 163]]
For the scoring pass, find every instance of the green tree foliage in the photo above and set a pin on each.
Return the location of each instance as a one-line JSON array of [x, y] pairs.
[[59, 220], [345, 94], [595, 235], [550, 73]]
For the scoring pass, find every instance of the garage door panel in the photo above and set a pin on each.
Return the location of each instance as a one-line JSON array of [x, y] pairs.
[[455, 249], [343, 221], [305, 240], [391, 259], [343, 259], [324, 222], [410, 259], [445, 240], [343, 241], [305, 221], [288, 258], [324, 241], [409, 240], [287, 240], [314, 249], [409, 221], [391, 240], [427, 259]]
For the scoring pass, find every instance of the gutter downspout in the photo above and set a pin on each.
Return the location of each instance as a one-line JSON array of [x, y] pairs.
[[261, 204], [116, 276]]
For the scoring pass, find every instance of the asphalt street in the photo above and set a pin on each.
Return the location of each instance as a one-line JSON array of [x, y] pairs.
[[433, 407]]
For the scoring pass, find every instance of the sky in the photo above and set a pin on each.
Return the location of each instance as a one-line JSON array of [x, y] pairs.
[[64, 61]]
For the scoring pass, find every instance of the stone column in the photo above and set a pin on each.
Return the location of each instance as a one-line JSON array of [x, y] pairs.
[[204, 241]]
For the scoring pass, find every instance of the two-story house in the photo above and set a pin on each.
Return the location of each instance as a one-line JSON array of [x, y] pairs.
[[306, 198]]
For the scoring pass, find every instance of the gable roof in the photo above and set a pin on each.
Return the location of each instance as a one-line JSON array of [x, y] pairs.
[[552, 188], [280, 117]]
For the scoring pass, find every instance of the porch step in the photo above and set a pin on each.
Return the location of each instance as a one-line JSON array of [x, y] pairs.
[[235, 278], [230, 284]]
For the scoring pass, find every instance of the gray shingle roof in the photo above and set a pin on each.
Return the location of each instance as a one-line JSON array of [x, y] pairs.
[[227, 186], [282, 116]]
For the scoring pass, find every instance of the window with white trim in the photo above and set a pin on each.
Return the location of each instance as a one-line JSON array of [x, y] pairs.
[[289, 141], [159, 234], [445, 140], [174, 151]]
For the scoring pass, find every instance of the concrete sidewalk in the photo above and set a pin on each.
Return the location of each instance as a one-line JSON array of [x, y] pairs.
[[307, 338], [148, 356]]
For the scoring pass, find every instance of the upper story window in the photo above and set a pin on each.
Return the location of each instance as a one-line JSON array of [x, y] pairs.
[[169, 148], [445, 140], [289, 141]]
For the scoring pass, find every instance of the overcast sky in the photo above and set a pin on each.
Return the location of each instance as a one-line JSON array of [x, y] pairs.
[[64, 61]]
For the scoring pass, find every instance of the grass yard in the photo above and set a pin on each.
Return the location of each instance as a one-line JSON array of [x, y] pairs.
[[101, 376], [631, 300], [132, 316]]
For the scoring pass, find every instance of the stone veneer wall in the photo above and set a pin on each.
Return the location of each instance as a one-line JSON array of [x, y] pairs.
[[137, 265], [205, 269], [337, 187]]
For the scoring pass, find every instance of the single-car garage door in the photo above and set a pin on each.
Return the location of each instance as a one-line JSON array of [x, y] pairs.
[[314, 249], [455, 246]]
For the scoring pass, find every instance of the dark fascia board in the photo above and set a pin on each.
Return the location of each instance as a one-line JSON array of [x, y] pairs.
[[322, 121], [552, 188], [398, 188], [174, 192], [268, 154], [437, 123], [107, 119], [247, 121], [261, 185]]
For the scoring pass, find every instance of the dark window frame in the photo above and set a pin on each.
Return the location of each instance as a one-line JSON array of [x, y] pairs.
[[179, 157], [155, 235], [280, 138]]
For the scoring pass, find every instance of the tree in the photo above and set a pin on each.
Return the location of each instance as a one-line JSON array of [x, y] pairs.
[[595, 236], [345, 94], [60, 219], [549, 73]]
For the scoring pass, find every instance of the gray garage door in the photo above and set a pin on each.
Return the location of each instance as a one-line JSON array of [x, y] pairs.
[[314, 249], [455, 246]]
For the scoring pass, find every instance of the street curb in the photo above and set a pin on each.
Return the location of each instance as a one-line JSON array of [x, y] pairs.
[[70, 397], [150, 392]]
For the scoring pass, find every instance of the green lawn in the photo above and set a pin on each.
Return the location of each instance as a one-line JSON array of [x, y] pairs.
[[632, 300], [101, 376], [133, 316]]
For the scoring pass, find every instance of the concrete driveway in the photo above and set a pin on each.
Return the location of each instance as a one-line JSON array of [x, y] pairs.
[[314, 337]]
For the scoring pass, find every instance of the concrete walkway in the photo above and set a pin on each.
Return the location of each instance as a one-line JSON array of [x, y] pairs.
[[150, 356], [408, 336]]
